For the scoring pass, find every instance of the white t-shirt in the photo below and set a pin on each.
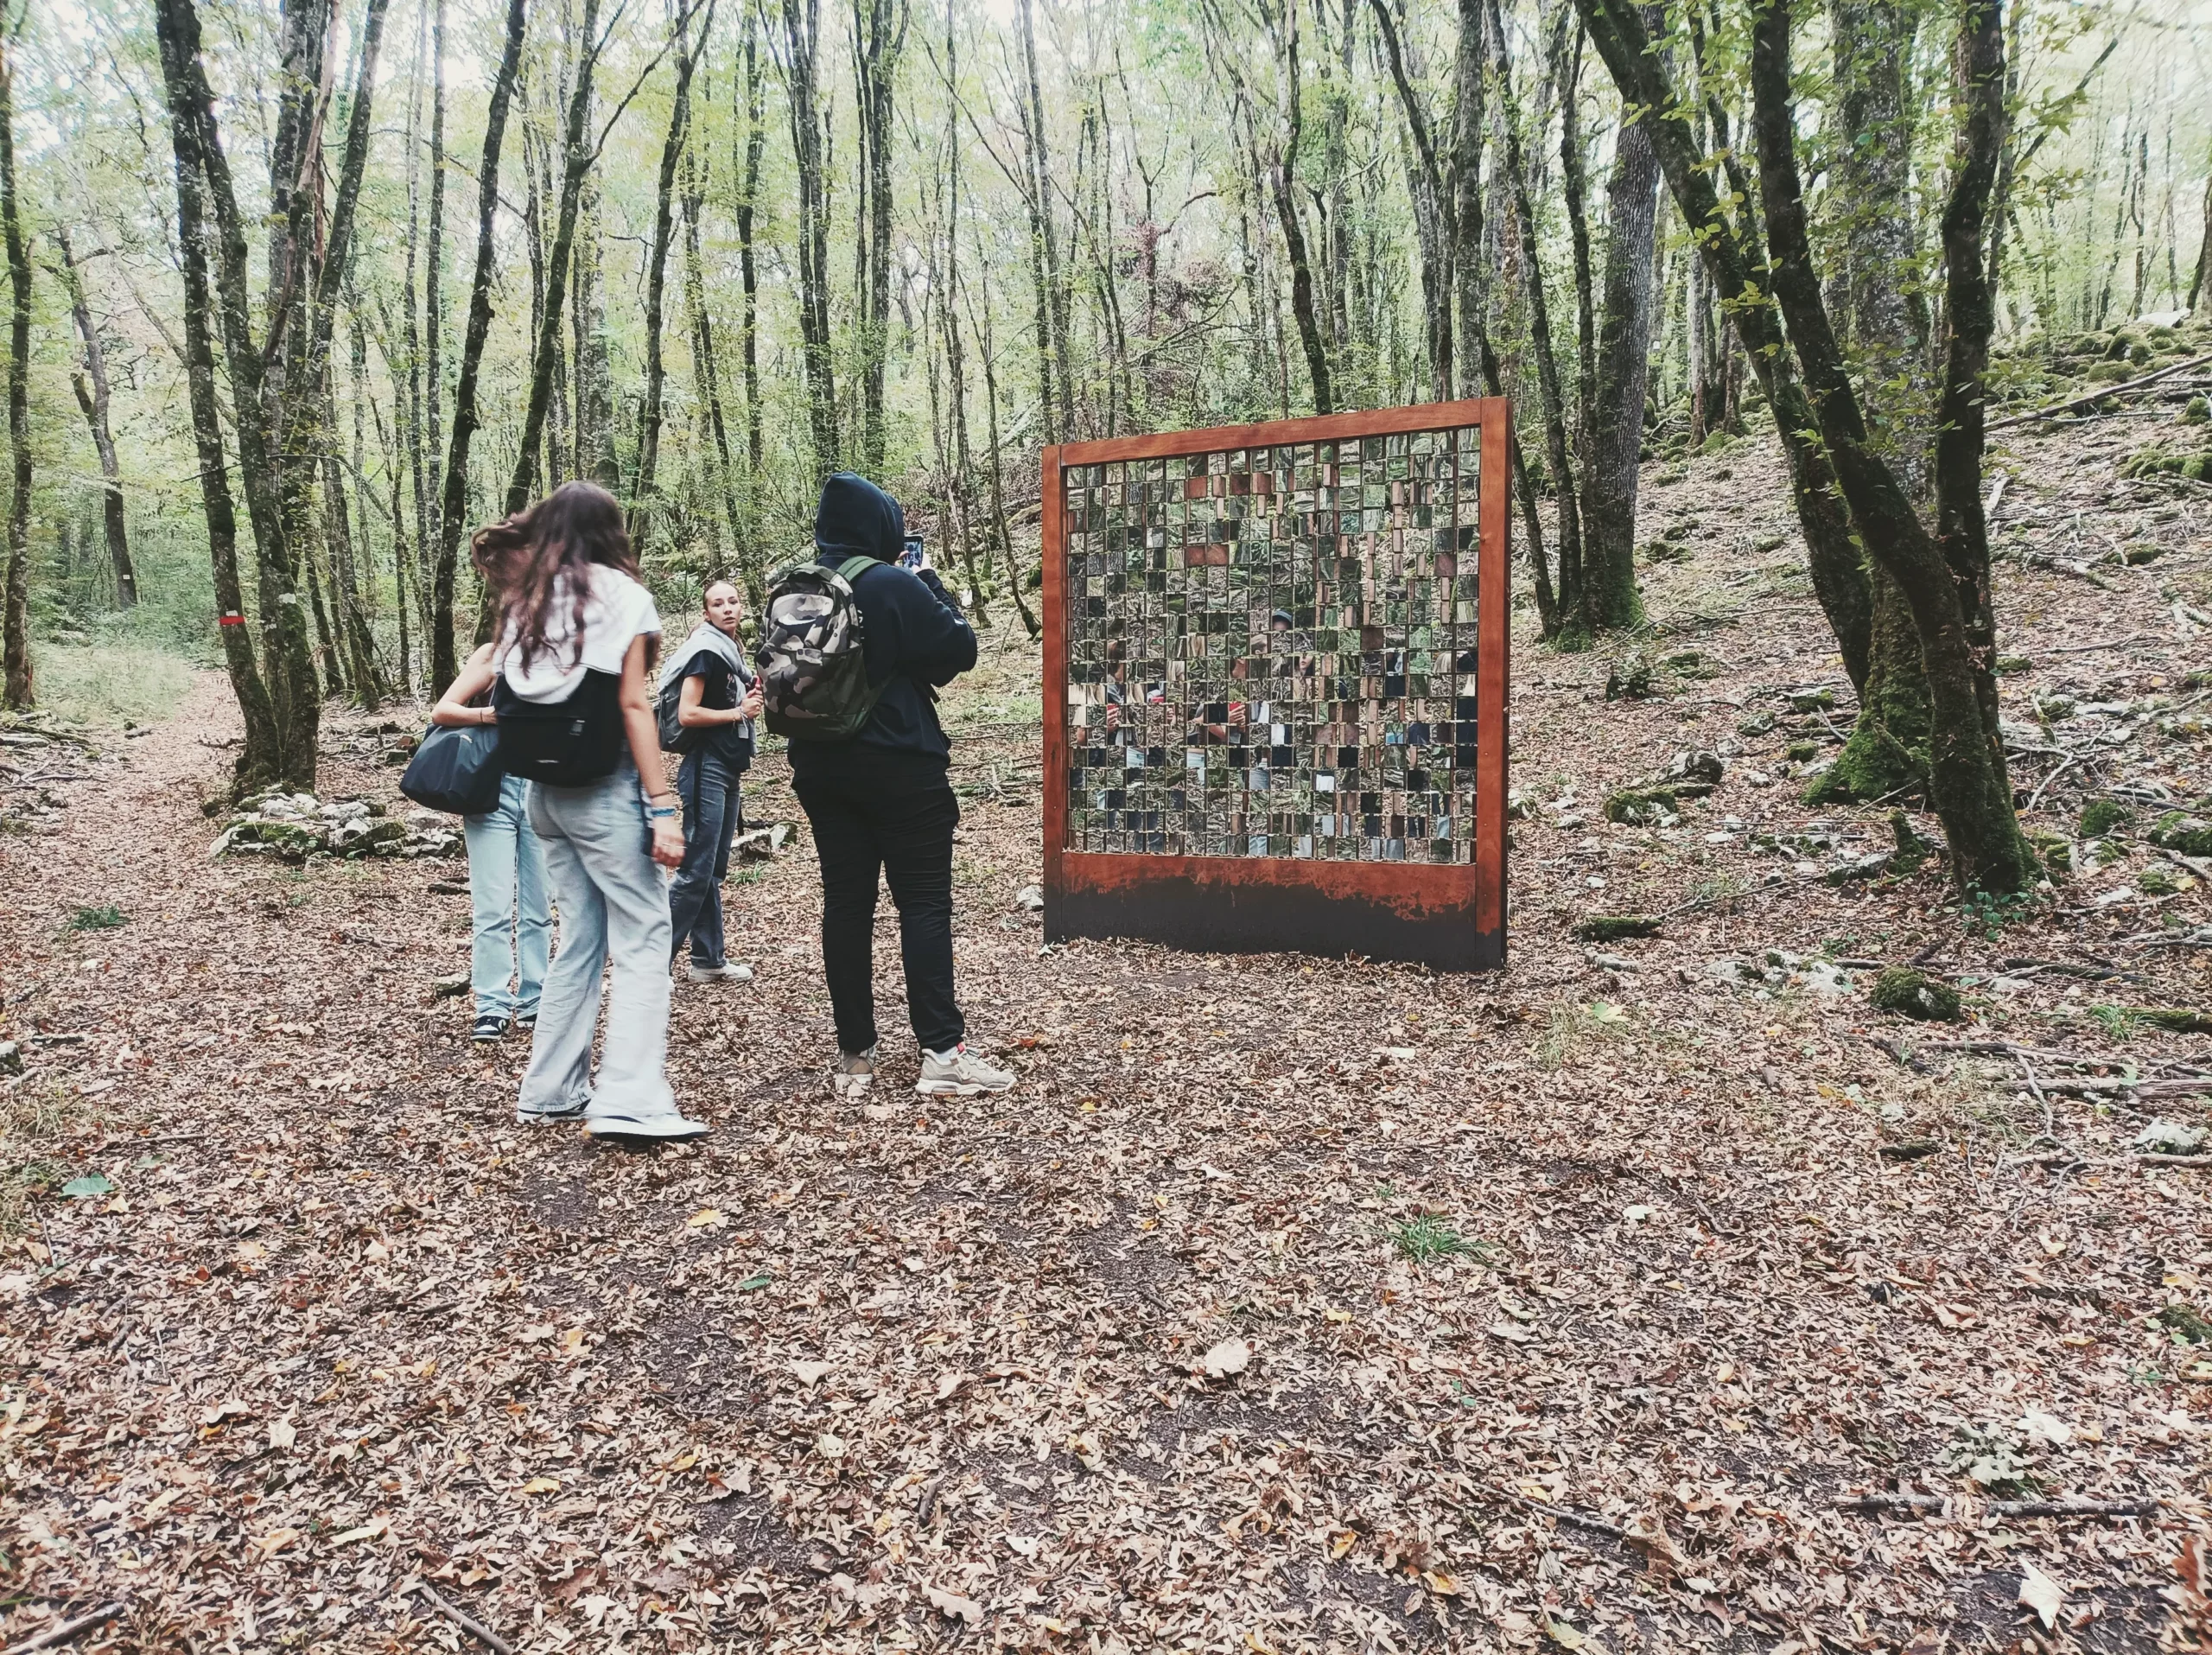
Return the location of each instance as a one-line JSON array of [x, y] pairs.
[[617, 610]]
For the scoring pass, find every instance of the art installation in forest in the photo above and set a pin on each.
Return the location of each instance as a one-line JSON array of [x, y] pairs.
[[1274, 686]]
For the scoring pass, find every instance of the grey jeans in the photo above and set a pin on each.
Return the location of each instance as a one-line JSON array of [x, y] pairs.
[[613, 905]]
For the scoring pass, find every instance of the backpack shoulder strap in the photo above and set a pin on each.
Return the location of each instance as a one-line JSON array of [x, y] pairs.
[[853, 567]]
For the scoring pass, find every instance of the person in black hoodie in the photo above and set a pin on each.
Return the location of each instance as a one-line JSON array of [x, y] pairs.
[[881, 800]]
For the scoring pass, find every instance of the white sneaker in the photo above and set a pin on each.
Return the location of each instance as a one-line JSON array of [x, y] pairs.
[[728, 971], [959, 1073], [669, 1127]]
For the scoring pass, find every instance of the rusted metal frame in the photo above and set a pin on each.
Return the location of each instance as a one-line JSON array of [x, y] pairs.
[[1451, 914], [1493, 561], [1279, 433], [1054, 556]]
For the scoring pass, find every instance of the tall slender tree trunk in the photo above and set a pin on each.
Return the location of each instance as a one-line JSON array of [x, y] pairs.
[[1944, 576], [1887, 751], [453, 510], [1055, 340], [1283, 183], [958, 472], [2199, 281], [800, 60], [177, 28], [1608, 600], [1432, 208], [708, 374], [981, 321], [1516, 189], [434, 334], [577, 159], [18, 690], [878, 42], [407, 412], [671, 155], [1734, 252], [1464, 184], [92, 389], [755, 131]]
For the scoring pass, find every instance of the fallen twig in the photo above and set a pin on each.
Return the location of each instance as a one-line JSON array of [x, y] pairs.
[[2149, 1160], [2137, 1507], [69, 1630], [1893, 1503], [1559, 1513], [477, 1629]]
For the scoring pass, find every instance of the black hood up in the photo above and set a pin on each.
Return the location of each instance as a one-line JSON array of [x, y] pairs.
[[857, 517]]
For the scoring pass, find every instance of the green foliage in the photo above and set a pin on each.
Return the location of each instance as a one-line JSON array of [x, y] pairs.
[[2188, 1325], [111, 684], [2118, 1022], [1425, 1238], [107, 917], [1990, 1457], [1989, 913]]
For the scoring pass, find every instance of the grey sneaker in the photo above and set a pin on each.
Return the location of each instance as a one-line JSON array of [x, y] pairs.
[[855, 1073], [959, 1073], [728, 971], [526, 1115]]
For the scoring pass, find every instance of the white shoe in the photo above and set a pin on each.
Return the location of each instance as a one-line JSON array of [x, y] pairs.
[[959, 1073], [727, 972], [665, 1128]]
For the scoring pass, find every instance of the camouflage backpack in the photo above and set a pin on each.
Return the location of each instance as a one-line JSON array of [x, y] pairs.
[[813, 679]]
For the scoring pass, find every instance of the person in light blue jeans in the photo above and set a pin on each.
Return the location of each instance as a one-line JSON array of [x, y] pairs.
[[613, 907], [510, 925]]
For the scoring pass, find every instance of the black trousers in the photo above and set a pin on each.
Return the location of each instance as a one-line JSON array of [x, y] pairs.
[[890, 811]]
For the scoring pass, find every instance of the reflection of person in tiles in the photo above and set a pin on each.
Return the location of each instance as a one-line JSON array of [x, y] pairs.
[[1118, 693], [1220, 722]]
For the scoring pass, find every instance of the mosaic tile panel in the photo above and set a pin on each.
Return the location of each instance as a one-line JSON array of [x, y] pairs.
[[1272, 652]]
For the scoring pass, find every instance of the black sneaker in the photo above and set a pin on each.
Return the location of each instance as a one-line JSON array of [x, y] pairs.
[[526, 1022], [487, 1029]]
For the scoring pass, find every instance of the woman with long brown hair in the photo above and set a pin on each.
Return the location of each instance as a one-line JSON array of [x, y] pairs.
[[576, 635]]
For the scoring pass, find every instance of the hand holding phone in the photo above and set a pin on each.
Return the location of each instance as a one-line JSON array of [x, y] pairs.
[[914, 557]]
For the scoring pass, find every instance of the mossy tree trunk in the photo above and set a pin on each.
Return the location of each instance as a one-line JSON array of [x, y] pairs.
[[1608, 601], [1887, 752], [1942, 576]]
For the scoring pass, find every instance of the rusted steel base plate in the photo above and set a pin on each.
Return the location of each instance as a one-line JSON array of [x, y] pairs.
[[1394, 911]]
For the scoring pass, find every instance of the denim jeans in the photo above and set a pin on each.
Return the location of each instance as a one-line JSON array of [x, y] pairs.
[[896, 812], [510, 925], [708, 784], [614, 902]]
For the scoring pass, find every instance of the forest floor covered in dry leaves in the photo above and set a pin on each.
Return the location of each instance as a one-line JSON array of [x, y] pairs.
[[1284, 1305]]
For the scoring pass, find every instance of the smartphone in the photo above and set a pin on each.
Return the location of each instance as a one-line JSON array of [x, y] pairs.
[[913, 557]]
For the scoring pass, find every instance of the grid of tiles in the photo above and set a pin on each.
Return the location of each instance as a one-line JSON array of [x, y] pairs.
[[1272, 650]]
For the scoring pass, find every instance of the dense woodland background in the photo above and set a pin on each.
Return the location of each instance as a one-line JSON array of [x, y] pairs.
[[303, 293]]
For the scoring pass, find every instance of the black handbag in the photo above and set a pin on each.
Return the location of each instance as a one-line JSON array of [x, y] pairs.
[[571, 742], [456, 769]]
